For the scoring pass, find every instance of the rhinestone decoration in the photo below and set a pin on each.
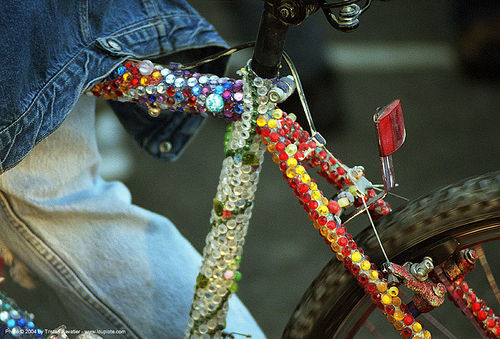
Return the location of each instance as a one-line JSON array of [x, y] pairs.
[[258, 125]]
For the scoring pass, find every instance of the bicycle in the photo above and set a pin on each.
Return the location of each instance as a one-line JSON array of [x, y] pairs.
[[293, 166]]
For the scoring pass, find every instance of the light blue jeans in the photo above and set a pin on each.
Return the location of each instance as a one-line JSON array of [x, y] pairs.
[[112, 264]]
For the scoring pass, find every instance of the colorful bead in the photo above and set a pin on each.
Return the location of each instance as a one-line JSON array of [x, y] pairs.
[[214, 103]]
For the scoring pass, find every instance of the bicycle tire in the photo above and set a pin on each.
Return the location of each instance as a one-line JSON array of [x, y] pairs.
[[450, 218]]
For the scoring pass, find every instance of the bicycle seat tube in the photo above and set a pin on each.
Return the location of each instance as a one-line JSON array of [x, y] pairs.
[[276, 17]]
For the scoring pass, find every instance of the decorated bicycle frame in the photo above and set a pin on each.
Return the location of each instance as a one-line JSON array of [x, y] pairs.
[[257, 125]]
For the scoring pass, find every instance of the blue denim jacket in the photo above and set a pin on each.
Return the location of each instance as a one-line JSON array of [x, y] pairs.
[[52, 51]]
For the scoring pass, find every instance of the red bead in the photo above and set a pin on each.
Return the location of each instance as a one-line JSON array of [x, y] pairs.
[[363, 279], [299, 156], [371, 287], [476, 307], [340, 231], [280, 146], [170, 91], [408, 319], [295, 134], [346, 251], [186, 92], [355, 269], [342, 241], [491, 323], [406, 332], [283, 156], [283, 168], [371, 193], [313, 204], [226, 214], [333, 206], [305, 197], [389, 309], [481, 315], [274, 137], [340, 170], [404, 308], [322, 220], [331, 224], [323, 155], [324, 166], [497, 330], [303, 188], [281, 132], [192, 101], [352, 244], [265, 131], [314, 214]]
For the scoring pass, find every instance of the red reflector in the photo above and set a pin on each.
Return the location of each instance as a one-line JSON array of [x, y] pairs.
[[390, 128]]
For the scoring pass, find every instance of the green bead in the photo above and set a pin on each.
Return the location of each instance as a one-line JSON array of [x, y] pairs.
[[237, 276], [201, 281], [238, 259], [233, 288]]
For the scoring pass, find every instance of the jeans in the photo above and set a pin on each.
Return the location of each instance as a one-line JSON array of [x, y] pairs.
[[112, 264]]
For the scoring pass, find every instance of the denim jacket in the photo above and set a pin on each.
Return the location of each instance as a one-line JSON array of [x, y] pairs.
[[52, 51]]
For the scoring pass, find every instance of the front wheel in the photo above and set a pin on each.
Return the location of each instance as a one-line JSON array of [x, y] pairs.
[[450, 219]]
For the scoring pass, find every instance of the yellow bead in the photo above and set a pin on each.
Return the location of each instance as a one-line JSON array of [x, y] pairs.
[[427, 334], [399, 315], [335, 247], [323, 231], [324, 200], [292, 116], [323, 210], [373, 275], [277, 113], [306, 179], [271, 148], [290, 173], [127, 77], [291, 149], [300, 169], [332, 236], [261, 121], [291, 162], [316, 195], [356, 256], [398, 325], [343, 202], [386, 299], [393, 291], [272, 123], [144, 80], [417, 327], [156, 75], [314, 186], [365, 265], [382, 287], [396, 301]]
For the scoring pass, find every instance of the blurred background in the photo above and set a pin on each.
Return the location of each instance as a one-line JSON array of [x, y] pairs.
[[439, 57]]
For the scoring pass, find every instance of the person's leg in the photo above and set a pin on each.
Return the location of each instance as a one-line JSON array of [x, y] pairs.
[[113, 264]]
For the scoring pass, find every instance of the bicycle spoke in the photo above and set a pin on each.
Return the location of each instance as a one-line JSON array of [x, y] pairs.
[[440, 327], [487, 271]]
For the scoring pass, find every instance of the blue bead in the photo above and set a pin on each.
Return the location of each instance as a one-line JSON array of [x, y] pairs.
[[30, 325], [151, 98], [178, 96], [21, 322], [238, 108], [219, 89], [214, 103], [121, 70], [196, 89], [228, 85], [11, 323]]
